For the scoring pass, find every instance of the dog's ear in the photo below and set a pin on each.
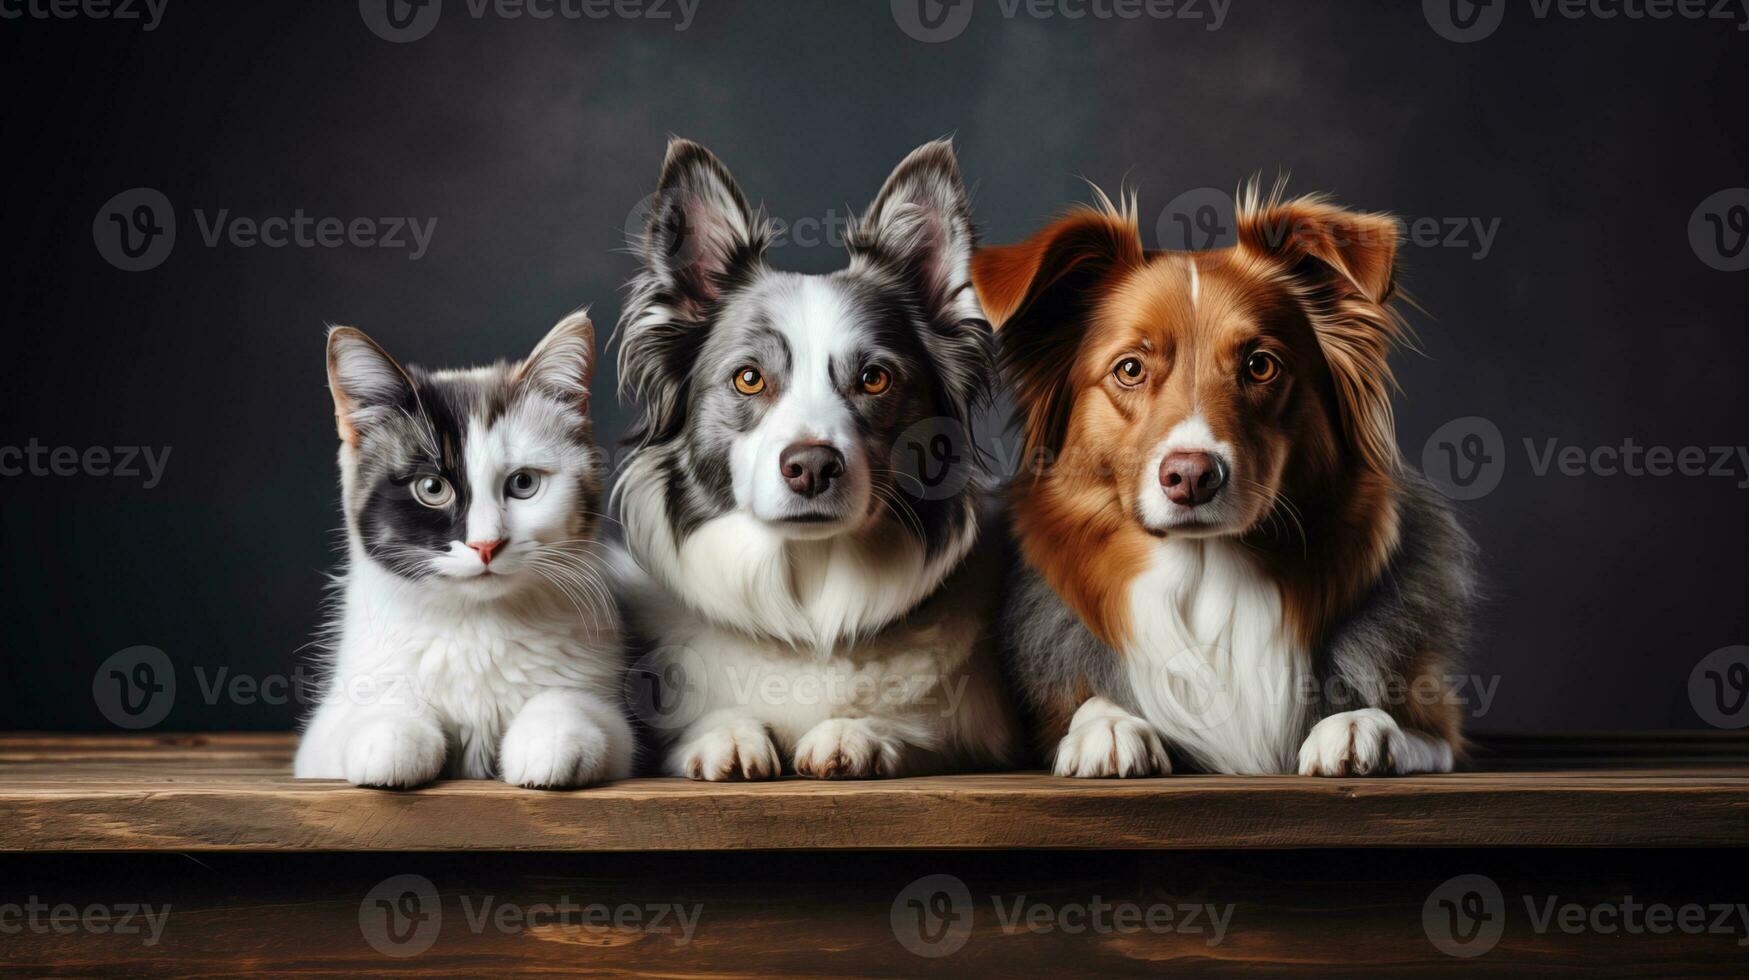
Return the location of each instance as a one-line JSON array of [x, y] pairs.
[[1039, 295], [920, 224], [1341, 266], [701, 238], [920, 228], [365, 381], [701, 234], [563, 364]]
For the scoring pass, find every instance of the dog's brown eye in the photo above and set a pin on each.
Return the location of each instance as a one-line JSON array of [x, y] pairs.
[[1263, 367], [1130, 372], [748, 381], [876, 380]]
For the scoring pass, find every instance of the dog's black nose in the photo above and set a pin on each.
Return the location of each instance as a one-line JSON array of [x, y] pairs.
[[810, 467], [1192, 479]]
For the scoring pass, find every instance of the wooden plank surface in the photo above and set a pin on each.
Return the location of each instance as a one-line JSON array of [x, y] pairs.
[[234, 793], [847, 914]]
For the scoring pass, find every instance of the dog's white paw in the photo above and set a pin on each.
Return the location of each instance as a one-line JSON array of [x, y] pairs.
[[1109, 746], [740, 750], [846, 748], [553, 756], [394, 752], [1354, 743]]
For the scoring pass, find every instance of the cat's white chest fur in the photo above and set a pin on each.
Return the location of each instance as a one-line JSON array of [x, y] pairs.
[[1210, 661]]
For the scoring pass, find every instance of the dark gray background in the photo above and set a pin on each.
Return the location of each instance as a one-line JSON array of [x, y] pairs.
[[1592, 319]]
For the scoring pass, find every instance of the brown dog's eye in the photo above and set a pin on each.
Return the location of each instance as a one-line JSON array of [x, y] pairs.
[[1263, 367], [1129, 372], [876, 380], [748, 381]]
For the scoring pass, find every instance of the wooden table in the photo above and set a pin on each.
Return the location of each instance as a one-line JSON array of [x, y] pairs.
[[1523, 868]]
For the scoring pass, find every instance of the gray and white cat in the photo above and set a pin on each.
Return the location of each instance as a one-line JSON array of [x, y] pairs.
[[476, 634]]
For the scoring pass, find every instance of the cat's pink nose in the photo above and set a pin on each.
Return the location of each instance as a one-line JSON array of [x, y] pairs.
[[486, 549]]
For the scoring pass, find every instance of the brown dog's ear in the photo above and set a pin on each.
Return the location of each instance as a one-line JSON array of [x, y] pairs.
[[1342, 267], [1038, 294]]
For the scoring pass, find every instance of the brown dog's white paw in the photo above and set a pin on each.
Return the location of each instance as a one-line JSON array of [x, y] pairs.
[[1369, 742], [846, 748]]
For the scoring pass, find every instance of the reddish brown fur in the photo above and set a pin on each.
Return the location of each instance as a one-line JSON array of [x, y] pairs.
[[1308, 282]]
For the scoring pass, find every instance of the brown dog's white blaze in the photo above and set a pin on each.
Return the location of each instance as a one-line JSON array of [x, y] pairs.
[[1314, 466]]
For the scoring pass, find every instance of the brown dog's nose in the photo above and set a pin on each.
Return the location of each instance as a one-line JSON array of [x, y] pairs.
[[810, 467], [1192, 479]]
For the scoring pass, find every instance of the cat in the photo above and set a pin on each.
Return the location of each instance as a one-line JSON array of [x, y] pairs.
[[475, 634]]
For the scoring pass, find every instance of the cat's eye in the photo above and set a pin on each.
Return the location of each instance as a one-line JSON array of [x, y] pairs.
[[523, 484], [748, 381], [875, 380], [1130, 372], [1262, 367], [433, 491]]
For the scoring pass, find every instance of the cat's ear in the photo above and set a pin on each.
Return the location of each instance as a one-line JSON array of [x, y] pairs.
[[365, 381], [563, 365]]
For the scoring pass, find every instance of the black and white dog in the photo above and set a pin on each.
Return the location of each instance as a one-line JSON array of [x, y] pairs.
[[816, 606]]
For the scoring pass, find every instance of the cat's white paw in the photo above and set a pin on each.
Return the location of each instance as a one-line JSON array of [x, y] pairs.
[[1108, 746], [738, 750], [554, 756], [846, 748], [1363, 742], [394, 753]]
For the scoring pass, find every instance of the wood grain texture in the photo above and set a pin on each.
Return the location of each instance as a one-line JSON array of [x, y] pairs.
[[233, 793], [846, 914]]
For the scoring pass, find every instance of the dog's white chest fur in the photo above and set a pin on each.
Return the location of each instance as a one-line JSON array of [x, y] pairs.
[[1210, 661]]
